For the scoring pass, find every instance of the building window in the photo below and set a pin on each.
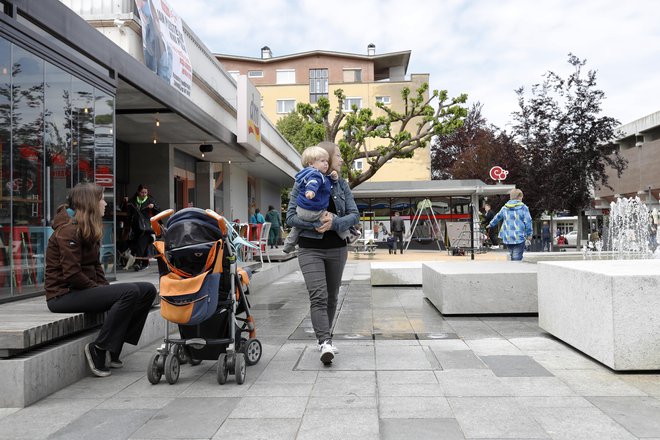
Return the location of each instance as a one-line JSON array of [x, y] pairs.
[[286, 76], [357, 165], [286, 105], [318, 84], [255, 73], [384, 99], [352, 75], [234, 74], [350, 102]]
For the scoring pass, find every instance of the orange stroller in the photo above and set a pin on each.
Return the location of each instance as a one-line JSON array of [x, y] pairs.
[[204, 292]]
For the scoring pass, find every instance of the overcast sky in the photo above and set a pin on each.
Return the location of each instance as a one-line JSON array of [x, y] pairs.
[[485, 48]]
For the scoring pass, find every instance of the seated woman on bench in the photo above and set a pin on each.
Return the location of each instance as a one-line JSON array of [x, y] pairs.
[[75, 281]]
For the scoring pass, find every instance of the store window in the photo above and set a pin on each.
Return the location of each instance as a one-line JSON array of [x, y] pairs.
[[55, 131]]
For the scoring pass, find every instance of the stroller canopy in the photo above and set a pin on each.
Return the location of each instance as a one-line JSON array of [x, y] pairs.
[[190, 226]]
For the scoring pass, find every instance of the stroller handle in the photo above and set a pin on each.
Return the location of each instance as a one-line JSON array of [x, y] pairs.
[[222, 224], [155, 220]]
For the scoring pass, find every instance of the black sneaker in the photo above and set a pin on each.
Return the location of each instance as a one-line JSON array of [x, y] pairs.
[[114, 361], [96, 360]]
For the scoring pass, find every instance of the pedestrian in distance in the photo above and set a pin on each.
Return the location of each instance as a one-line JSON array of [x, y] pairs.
[[75, 281], [141, 207], [257, 217], [546, 237], [516, 230], [490, 232], [322, 252], [275, 219], [398, 229]]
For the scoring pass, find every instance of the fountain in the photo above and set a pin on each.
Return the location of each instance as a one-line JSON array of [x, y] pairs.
[[627, 235]]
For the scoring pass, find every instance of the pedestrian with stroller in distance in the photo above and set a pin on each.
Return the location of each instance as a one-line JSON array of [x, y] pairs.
[[75, 281], [516, 230], [322, 252]]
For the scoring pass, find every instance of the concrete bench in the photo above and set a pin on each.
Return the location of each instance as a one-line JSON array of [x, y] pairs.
[[28, 324], [606, 309], [480, 287], [395, 273]]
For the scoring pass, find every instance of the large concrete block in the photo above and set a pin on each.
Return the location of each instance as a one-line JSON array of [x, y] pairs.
[[481, 287], [606, 309], [396, 273]]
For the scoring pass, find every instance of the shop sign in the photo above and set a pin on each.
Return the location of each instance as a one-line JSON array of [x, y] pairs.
[[248, 115], [498, 173]]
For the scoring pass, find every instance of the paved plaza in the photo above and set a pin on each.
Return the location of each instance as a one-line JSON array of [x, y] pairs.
[[403, 371]]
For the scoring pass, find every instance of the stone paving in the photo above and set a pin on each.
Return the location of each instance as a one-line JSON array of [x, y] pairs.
[[403, 371]]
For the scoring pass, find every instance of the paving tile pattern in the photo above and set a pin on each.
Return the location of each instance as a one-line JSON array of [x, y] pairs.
[[403, 371]]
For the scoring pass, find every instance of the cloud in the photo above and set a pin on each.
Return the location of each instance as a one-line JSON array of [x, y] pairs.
[[481, 47]]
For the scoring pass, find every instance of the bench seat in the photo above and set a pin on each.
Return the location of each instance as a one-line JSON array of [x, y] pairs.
[[28, 324]]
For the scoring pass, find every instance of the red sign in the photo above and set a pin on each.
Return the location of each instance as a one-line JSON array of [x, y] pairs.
[[498, 173]]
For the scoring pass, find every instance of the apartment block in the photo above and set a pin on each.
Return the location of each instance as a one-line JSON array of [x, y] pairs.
[[284, 81]]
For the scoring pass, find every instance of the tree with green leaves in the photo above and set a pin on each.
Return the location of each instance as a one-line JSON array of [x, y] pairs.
[[362, 135]]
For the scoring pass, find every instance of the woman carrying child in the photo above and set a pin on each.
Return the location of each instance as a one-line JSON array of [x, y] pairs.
[[322, 251], [314, 195]]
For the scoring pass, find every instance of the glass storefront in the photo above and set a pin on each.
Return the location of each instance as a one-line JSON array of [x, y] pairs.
[[55, 130], [376, 214]]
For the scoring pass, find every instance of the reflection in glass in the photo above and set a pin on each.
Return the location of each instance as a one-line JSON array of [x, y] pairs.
[[5, 171], [104, 173], [82, 131], [26, 185], [50, 139], [57, 136]]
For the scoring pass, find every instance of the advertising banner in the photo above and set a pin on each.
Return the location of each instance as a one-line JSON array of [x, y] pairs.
[[164, 44], [248, 115]]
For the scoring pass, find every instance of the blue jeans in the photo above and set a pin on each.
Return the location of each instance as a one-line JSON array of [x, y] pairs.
[[516, 251]]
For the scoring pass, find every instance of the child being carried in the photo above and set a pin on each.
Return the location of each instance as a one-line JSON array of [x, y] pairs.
[[314, 195]]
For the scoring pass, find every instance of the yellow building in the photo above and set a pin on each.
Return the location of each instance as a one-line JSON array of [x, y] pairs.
[[287, 80]]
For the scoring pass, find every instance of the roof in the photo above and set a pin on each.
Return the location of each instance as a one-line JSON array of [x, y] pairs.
[[429, 188], [382, 62]]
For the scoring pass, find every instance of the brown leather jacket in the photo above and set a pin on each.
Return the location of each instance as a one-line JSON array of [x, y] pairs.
[[71, 264]]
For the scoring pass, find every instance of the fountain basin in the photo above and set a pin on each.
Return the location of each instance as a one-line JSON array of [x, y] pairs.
[[607, 309]]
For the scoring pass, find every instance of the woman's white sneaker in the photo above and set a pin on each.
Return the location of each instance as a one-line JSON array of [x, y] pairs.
[[326, 353]]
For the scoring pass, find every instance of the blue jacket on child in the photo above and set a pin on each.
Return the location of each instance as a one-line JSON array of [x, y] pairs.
[[517, 225], [311, 179]]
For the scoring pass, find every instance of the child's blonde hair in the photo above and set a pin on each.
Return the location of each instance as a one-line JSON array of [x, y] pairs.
[[312, 154]]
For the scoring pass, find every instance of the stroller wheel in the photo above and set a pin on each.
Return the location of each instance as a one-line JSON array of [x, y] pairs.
[[252, 350], [154, 373], [239, 368], [223, 368], [181, 352], [172, 368]]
